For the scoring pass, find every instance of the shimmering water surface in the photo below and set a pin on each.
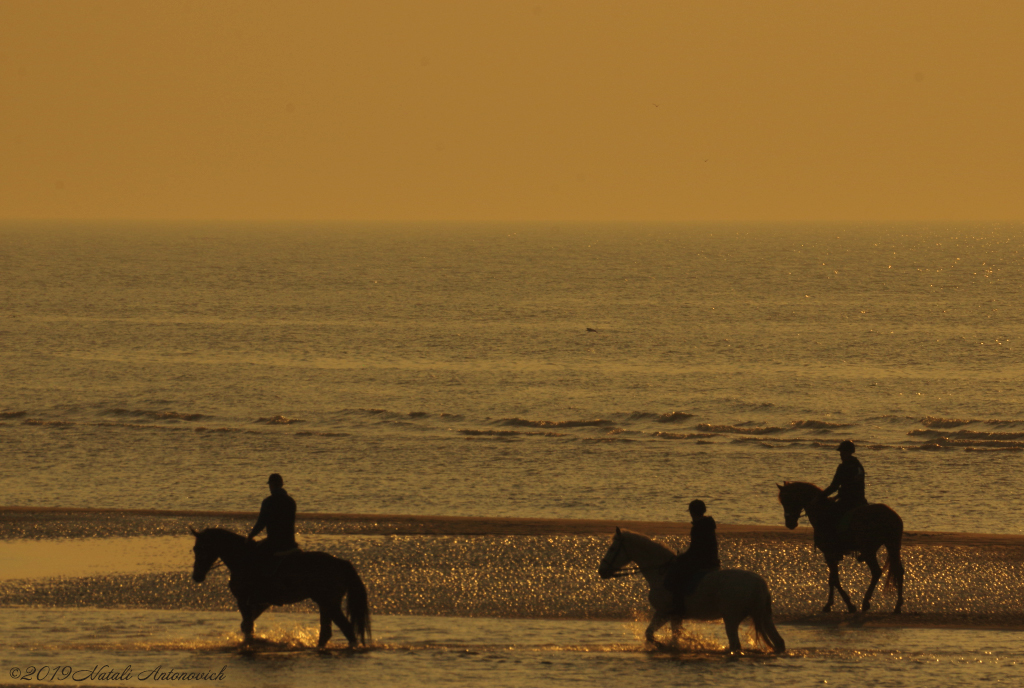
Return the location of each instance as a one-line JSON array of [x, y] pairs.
[[450, 371]]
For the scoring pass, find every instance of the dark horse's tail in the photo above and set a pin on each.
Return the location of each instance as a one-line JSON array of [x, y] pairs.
[[357, 605], [894, 562]]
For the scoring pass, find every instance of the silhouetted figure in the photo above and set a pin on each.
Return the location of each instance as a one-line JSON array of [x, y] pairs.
[[848, 480], [702, 555], [277, 515]]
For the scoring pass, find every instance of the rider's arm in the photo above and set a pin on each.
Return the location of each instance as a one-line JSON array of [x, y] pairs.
[[260, 524], [836, 482]]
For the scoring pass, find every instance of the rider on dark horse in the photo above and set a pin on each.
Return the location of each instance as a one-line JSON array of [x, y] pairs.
[[701, 555], [277, 515], [848, 482]]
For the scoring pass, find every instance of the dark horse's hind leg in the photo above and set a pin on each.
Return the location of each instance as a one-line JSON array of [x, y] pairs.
[[833, 585], [871, 559], [330, 610], [343, 623]]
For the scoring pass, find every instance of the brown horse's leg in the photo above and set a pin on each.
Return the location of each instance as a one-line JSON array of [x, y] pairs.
[[871, 559]]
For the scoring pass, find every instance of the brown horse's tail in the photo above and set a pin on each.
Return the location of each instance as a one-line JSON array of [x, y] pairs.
[[357, 605], [764, 627]]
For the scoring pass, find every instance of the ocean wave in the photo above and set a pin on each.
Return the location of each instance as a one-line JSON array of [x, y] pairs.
[[279, 420], [158, 415], [736, 429], [818, 424], [522, 422], [140, 426], [933, 422], [12, 414], [508, 433], [673, 417], [311, 433], [49, 423], [682, 436], [971, 434], [670, 417]]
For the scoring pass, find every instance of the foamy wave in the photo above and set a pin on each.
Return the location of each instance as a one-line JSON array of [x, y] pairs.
[[13, 414], [522, 422], [707, 427]]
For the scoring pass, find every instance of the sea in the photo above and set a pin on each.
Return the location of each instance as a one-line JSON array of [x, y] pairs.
[[515, 371]]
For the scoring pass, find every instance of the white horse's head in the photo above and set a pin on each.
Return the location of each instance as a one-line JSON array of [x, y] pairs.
[[627, 547]]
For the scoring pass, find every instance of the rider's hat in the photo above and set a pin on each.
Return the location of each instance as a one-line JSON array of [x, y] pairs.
[[275, 480], [846, 446], [697, 507]]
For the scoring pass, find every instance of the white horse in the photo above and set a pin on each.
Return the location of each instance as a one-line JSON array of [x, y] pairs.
[[728, 594]]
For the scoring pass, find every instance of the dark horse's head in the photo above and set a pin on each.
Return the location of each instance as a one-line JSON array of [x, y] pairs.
[[211, 545], [795, 497]]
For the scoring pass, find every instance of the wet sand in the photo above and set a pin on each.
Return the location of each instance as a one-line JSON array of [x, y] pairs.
[[45, 522], [70, 525]]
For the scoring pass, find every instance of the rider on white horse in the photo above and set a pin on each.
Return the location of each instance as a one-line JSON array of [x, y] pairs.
[[701, 555]]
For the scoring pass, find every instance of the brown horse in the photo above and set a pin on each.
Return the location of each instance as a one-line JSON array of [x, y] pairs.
[[318, 576], [868, 528]]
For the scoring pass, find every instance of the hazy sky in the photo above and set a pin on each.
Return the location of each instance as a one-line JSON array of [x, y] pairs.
[[501, 110]]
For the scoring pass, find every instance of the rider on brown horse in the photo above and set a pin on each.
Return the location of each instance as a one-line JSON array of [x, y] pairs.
[[701, 555]]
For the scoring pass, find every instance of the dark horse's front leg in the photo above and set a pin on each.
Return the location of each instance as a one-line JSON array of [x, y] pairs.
[[250, 612], [833, 584]]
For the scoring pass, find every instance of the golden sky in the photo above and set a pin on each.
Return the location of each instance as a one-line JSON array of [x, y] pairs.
[[495, 110]]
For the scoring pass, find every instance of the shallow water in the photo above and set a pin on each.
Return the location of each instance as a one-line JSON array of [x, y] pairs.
[[428, 651]]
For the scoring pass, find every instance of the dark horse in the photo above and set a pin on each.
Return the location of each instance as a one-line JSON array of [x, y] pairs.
[[868, 528], [318, 576]]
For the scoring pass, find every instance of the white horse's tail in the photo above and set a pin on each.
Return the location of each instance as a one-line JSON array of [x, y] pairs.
[[765, 632]]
